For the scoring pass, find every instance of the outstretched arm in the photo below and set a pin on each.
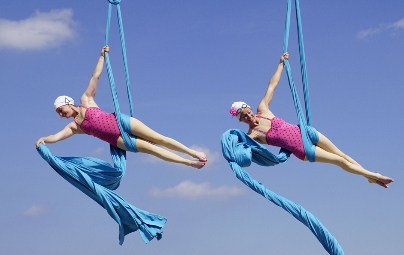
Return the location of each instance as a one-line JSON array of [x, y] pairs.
[[87, 99], [67, 132], [273, 83]]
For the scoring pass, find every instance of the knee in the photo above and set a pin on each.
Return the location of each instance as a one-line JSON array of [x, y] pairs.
[[161, 140], [143, 146], [342, 162]]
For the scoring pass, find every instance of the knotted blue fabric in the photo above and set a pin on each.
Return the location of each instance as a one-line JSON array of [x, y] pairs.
[[240, 150], [97, 178]]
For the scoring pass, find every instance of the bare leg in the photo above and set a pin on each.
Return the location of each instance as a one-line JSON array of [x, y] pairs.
[[327, 145], [146, 147], [327, 157], [141, 130]]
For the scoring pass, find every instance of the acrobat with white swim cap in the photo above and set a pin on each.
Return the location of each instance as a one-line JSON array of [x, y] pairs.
[[62, 100], [237, 108]]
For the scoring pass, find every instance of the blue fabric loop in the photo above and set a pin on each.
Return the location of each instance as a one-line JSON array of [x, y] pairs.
[[114, 1], [309, 140]]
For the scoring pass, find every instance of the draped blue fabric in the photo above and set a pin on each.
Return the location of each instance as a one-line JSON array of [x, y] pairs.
[[240, 150], [96, 178]]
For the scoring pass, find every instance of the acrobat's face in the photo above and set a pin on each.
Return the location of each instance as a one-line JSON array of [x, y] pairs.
[[247, 116], [65, 111]]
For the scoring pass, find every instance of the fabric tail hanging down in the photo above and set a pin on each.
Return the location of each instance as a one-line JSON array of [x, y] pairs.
[[240, 150], [96, 178]]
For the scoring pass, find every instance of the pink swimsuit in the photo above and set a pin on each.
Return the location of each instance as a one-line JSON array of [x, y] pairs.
[[100, 124], [284, 135]]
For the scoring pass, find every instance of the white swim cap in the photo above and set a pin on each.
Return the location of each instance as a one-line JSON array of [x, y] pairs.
[[62, 100], [237, 108]]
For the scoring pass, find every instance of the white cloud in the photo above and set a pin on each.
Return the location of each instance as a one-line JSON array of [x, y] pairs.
[[189, 189], [98, 151], [368, 32], [213, 156], [35, 210], [42, 30], [363, 34], [399, 24]]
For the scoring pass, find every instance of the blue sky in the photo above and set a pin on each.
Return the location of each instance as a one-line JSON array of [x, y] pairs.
[[188, 61]]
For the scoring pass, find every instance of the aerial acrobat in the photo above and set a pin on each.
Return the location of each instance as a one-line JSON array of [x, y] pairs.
[[97, 178], [304, 141], [89, 119], [266, 128]]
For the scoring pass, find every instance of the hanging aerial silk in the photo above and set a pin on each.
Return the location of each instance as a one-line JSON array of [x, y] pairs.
[[97, 178], [240, 150]]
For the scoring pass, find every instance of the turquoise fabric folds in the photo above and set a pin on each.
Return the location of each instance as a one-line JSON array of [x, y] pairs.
[[97, 178], [240, 150]]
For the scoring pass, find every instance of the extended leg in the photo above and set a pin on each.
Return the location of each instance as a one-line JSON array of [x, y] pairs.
[[327, 145], [327, 157], [141, 130], [146, 147]]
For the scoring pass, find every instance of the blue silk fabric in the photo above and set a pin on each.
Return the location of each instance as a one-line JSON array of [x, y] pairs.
[[240, 150], [97, 179]]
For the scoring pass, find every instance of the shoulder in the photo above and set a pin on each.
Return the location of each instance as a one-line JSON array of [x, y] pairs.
[[87, 102], [74, 128], [267, 114]]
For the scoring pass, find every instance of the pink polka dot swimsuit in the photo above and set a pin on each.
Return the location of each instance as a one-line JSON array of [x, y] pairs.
[[100, 124], [284, 135]]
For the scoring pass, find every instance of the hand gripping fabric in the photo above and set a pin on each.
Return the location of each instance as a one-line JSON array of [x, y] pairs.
[[97, 178], [240, 150]]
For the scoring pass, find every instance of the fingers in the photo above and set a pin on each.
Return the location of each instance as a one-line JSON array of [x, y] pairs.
[[38, 142], [104, 49]]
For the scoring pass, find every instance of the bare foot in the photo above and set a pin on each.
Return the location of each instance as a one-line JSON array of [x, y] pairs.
[[197, 164], [201, 156], [384, 180]]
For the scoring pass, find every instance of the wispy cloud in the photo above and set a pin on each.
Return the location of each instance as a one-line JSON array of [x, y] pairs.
[[41, 30], [398, 24], [364, 34], [35, 210], [213, 156], [189, 189], [98, 151]]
